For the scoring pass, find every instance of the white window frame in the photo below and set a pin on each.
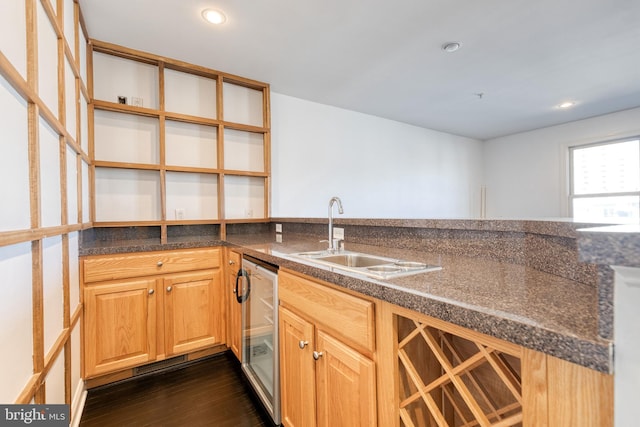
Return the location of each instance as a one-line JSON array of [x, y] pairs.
[[573, 196]]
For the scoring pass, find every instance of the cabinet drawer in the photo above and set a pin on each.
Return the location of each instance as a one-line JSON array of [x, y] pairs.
[[113, 267], [344, 315]]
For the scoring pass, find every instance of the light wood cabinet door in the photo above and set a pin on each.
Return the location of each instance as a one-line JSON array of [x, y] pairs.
[[234, 317], [120, 325], [194, 304], [297, 371], [346, 385]]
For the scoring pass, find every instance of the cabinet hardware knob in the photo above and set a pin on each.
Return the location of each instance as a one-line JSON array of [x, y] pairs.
[[151, 291], [231, 262], [159, 264], [169, 288], [317, 355], [302, 344]]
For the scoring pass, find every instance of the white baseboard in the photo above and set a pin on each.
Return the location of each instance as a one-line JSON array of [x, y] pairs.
[[77, 404]]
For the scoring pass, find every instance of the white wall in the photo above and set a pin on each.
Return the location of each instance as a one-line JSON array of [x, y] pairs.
[[526, 174], [627, 347], [379, 168], [39, 269]]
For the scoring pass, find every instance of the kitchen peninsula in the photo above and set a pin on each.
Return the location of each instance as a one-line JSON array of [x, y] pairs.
[[520, 282]]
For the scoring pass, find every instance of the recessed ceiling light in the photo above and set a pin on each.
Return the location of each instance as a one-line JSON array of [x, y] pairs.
[[567, 104], [451, 46], [214, 16]]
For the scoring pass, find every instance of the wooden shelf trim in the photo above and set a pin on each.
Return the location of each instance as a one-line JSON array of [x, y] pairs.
[[15, 237], [157, 223], [175, 64], [36, 381], [178, 117]]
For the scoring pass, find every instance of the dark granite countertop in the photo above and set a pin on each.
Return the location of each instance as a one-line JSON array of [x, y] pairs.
[[612, 245], [507, 300], [107, 247], [516, 303]]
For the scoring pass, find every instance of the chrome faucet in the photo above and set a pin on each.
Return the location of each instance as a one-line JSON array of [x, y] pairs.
[[332, 244]]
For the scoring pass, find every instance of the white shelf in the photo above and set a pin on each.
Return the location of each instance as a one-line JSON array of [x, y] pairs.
[[13, 35], [86, 208], [189, 94], [191, 196], [127, 195], [47, 61], [50, 195], [69, 25], [242, 105], [84, 117], [14, 160], [244, 197], [114, 76], [126, 138], [72, 186], [243, 150], [139, 150], [52, 290], [192, 145], [70, 99]]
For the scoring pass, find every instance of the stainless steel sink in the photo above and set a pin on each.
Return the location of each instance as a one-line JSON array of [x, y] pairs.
[[370, 265], [354, 260]]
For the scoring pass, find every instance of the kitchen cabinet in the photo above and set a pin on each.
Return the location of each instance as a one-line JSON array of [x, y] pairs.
[[194, 314], [327, 374], [119, 325], [234, 311], [411, 369], [146, 307]]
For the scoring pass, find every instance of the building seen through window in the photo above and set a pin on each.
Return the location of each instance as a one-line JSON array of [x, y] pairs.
[[605, 182]]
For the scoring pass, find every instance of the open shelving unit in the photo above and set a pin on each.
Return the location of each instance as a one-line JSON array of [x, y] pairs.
[[173, 143]]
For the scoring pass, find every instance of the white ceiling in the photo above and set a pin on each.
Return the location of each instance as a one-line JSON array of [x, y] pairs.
[[385, 58]]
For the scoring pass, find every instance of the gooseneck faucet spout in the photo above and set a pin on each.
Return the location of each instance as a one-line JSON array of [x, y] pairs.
[[332, 245]]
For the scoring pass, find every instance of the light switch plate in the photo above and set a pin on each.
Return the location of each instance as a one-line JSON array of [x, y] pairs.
[[278, 228]]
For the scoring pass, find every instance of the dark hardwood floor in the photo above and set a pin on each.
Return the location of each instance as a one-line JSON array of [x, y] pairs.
[[211, 392]]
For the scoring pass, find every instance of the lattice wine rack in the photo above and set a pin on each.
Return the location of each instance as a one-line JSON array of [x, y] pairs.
[[450, 380]]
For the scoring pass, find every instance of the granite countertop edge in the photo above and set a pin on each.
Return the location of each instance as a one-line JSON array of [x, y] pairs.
[[593, 353], [617, 245]]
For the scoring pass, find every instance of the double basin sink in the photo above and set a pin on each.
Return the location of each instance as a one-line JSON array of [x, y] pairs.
[[369, 265]]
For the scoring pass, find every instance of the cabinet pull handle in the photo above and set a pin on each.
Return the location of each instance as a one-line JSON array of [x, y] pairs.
[[159, 264], [169, 288], [151, 291], [302, 344], [317, 355]]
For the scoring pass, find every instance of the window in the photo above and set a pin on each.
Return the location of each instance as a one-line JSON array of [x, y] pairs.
[[605, 182]]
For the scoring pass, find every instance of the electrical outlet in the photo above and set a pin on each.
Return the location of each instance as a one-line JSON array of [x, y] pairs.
[[278, 228], [180, 212], [278, 238], [136, 102], [338, 233]]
